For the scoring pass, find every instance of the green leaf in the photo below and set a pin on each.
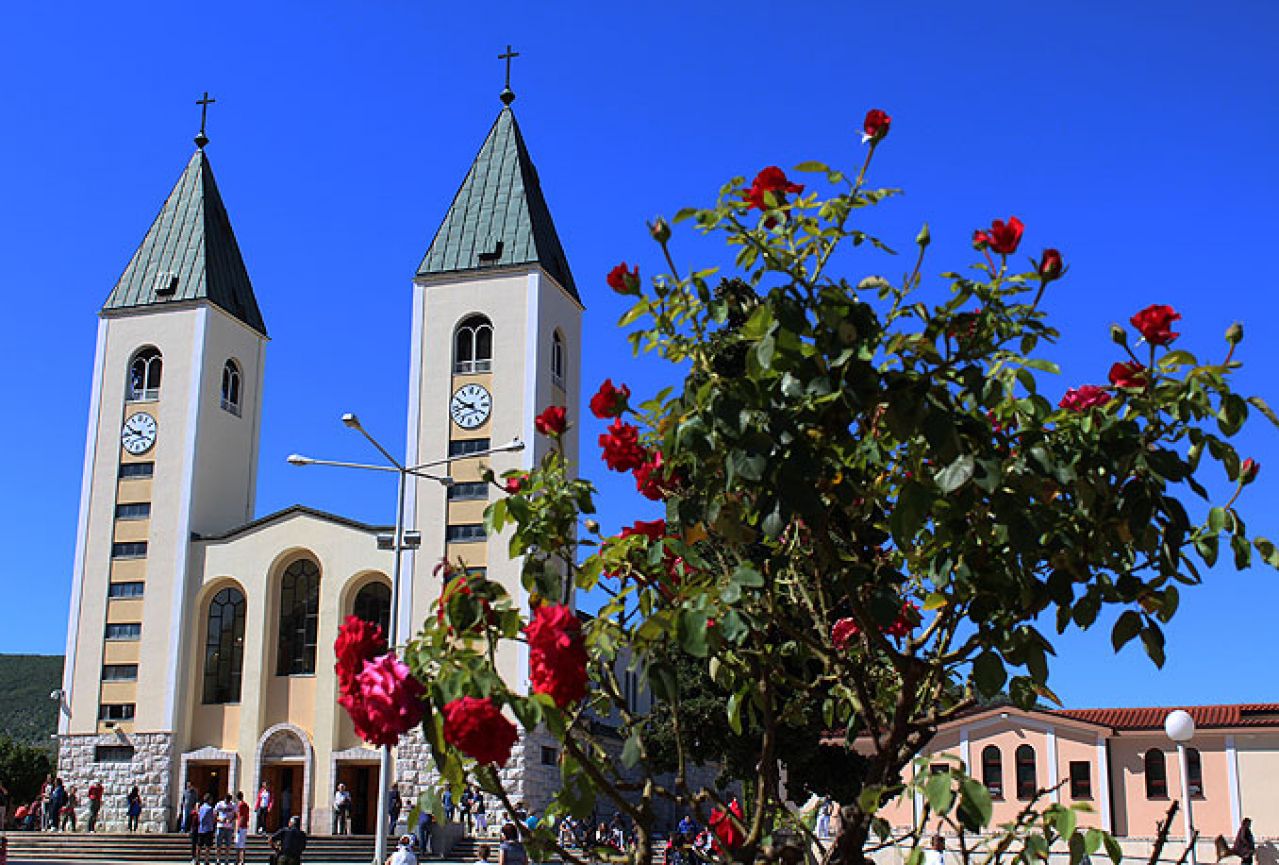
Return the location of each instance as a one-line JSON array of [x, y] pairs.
[[1269, 554], [631, 750], [1077, 848], [1093, 839], [812, 166], [747, 577], [939, 792], [1066, 820], [1217, 520], [989, 674], [907, 518], [1126, 628], [1262, 406], [975, 806], [956, 474], [735, 710], [1153, 639], [1113, 849]]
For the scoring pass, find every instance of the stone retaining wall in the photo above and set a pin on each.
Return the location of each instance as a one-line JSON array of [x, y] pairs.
[[151, 770]]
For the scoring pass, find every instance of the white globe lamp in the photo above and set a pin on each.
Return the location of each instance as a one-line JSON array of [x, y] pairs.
[[1179, 726]]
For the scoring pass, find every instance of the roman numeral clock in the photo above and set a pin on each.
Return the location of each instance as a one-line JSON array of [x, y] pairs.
[[470, 406]]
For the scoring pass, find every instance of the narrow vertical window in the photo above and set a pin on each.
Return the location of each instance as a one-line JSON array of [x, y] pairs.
[[224, 647], [299, 618], [1195, 773], [1027, 780], [557, 359], [231, 387], [1080, 779], [992, 771], [144, 375], [1156, 774]]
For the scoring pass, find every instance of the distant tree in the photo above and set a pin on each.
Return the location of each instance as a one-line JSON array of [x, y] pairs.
[[22, 769]]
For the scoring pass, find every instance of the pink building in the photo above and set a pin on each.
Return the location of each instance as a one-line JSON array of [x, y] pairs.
[[1123, 765]]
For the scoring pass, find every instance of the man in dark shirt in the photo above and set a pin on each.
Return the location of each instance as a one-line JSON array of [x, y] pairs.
[[289, 843]]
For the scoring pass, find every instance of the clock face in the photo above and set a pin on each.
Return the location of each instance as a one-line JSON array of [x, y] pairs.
[[470, 406], [138, 434]]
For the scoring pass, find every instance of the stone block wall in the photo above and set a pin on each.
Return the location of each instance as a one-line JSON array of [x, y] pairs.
[[151, 770]]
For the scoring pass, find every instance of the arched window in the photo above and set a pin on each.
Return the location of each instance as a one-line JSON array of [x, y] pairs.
[[992, 771], [1195, 771], [224, 647], [473, 345], [1027, 782], [373, 605], [144, 375], [299, 615], [557, 359], [231, 387], [1156, 774]]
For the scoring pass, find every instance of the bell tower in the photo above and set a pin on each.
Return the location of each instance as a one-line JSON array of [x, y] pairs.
[[175, 410], [496, 339]]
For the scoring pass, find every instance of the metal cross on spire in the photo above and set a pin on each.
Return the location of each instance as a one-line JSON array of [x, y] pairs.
[[201, 139], [508, 95]]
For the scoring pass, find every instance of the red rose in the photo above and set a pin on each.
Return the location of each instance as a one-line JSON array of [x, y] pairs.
[[843, 633], [358, 641], [622, 450], [654, 530], [771, 180], [477, 728], [552, 421], [386, 701], [1002, 237], [1084, 397], [557, 654], [727, 835], [624, 281], [1248, 471], [650, 478], [1050, 265], [1128, 374], [610, 401], [514, 484], [905, 622], [1155, 323], [875, 126], [981, 240]]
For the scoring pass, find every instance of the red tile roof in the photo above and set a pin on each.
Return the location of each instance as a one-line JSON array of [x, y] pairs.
[[1206, 717]]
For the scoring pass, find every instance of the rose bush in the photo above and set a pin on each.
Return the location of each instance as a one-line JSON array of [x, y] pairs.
[[877, 508]]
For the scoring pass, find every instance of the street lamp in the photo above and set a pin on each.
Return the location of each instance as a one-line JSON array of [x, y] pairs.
[[1180, 727], [400, 541]]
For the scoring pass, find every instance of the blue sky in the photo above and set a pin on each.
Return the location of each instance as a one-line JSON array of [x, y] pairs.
[[1138, 138]]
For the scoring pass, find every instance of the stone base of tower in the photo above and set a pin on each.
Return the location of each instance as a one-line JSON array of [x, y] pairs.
[[83, 759]]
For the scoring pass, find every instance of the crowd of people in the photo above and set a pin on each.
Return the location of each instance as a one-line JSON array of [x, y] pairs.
[[58, 808]]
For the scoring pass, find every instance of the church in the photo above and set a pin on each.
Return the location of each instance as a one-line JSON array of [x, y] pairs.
[[200, 637]]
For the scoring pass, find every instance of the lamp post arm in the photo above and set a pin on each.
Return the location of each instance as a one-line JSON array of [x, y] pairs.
[[513, 446], [348, 465], [377, 444]]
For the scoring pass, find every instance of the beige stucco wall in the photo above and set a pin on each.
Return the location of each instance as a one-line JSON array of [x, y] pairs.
[[1258, 756]]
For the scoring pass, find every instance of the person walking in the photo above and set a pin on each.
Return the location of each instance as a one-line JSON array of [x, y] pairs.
[[95, 804], [342, 811], [1245, 846], [511, 851], [242, 813], [263, 806], [133, 808], [66, 814], [466, 814], [46, 793], [186, 807], [394, 804], [289, 843], [224, 817], [57, 801], [448, 804], [205, 826], [425, 828], [481, 813]]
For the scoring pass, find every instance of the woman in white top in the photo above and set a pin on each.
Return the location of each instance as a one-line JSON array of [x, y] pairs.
[[403, 854]]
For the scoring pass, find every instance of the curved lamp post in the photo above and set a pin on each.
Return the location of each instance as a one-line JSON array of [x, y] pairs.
[[399, 542], [1180, 727]]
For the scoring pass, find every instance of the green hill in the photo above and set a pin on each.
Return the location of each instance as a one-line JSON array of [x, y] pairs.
[[26, 713]]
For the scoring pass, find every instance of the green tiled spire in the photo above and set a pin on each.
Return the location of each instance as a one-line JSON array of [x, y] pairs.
[[499, 217], [190, 253]]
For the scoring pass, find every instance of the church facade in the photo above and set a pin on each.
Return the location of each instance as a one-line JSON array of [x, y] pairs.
[[200, 639]]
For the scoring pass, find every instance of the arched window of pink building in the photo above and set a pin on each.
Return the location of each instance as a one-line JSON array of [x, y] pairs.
[[1195, 771], [1027, 782], [992, 771], [1156, 774]]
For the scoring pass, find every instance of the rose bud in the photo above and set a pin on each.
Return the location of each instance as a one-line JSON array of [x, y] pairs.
[[875, 126], [624, 281], [1118, 335], [1248, 471], [660, 229], [1234, 333], [981, 240], [1050, 266]]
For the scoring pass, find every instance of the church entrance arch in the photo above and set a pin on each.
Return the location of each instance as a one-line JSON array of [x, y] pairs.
[[284, 762]]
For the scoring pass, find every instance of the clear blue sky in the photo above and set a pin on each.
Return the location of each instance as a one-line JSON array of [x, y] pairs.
[[1139, 138]]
